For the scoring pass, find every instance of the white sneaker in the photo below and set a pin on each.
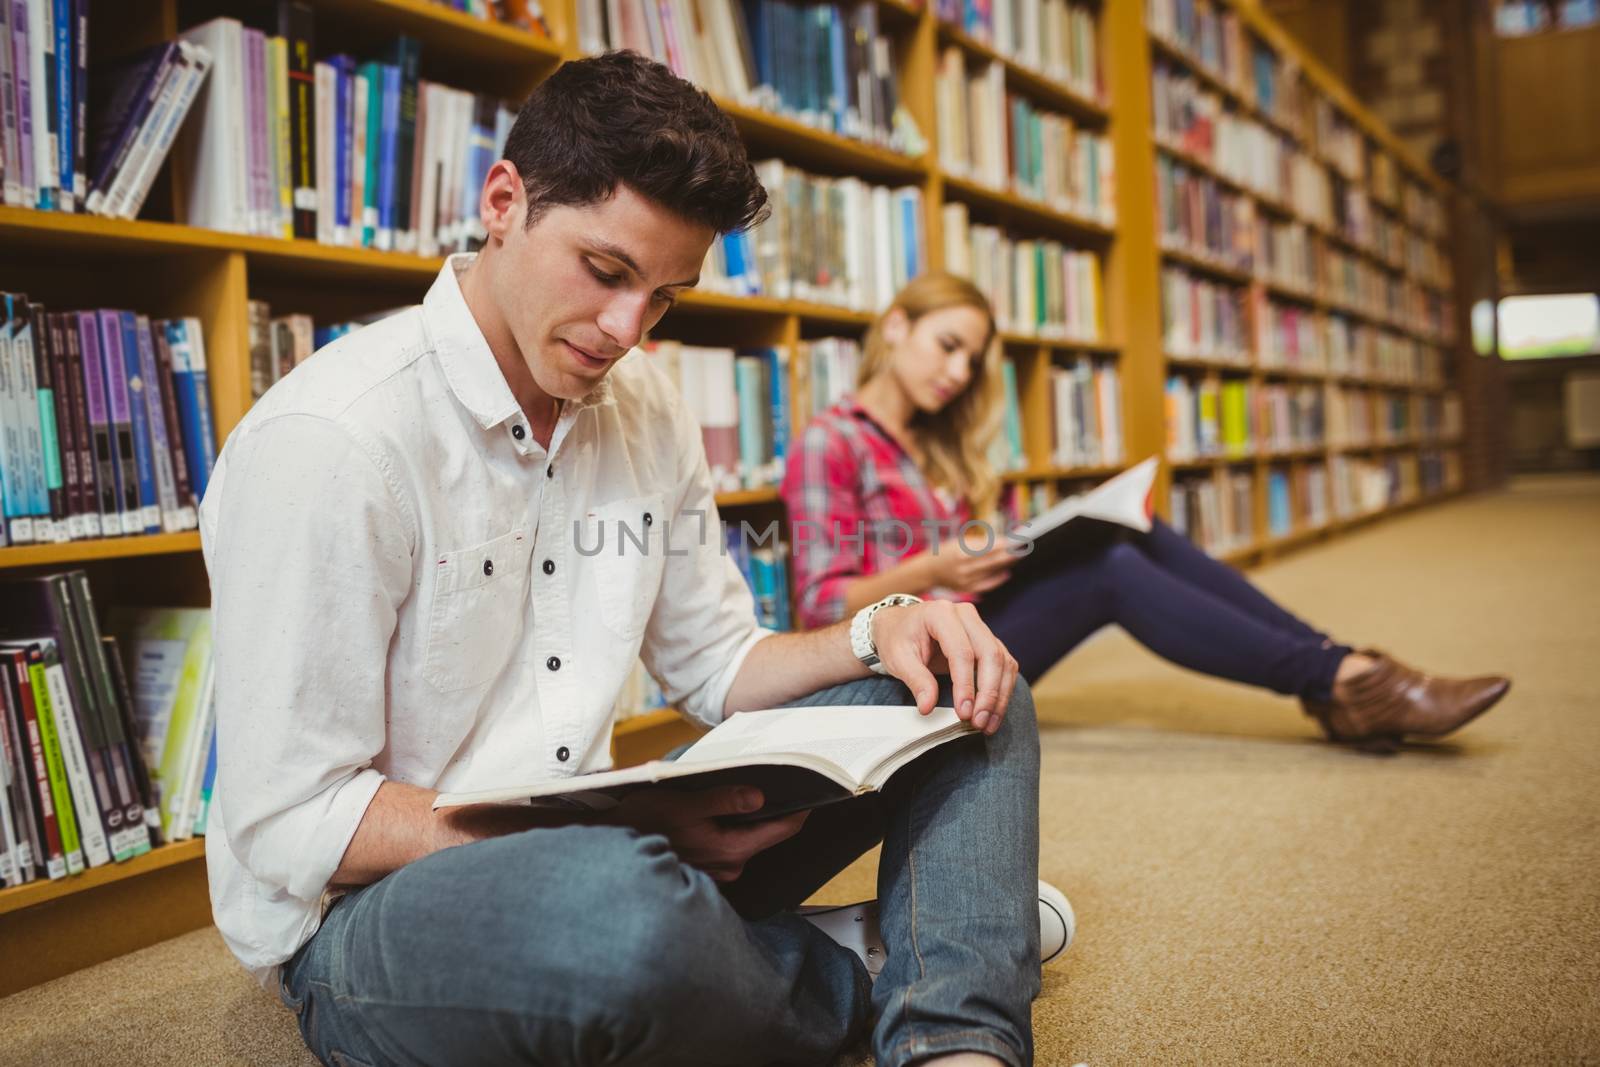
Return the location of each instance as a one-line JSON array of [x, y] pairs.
[[855, 926]]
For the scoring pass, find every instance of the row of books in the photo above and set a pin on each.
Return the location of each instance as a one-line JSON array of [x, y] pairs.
[[1037, 287], [829, 370], [1213, 39], [1215, 511], [44, 79], [1055, 38], [838, 241], [279, 343], [1085, 417], [1193, 120], [740, 399], [1200, 217], [828, 65], [341, 151], [1203, 319], [527, 15], [1002, 140], [102, 757], [105, 423]]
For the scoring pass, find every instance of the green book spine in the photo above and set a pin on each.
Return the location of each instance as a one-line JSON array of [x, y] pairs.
[[60, 795]]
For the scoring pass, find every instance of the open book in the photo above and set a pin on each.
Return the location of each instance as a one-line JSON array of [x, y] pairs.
[[1124, 501], [798, 757]]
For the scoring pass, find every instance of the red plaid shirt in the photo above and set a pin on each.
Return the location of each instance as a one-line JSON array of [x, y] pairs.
[[858, 504]]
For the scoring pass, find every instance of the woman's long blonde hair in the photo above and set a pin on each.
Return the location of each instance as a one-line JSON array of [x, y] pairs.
[[957, 439]]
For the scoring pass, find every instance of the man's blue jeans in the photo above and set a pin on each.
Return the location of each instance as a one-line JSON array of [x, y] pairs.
[[594, 945]]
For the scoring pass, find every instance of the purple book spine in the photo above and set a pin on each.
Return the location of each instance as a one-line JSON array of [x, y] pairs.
[[116, 383], [21, 74], [94, 395]]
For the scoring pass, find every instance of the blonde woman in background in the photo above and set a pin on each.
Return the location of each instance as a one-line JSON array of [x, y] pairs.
[[878, 486]]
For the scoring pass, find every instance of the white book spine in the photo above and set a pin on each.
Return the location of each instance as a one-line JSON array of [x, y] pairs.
[[90, 831]]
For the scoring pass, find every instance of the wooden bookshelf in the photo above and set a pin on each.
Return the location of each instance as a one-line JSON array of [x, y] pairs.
[[168, 268]]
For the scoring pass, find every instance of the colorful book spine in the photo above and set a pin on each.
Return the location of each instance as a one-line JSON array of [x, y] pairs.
[[192, 386], [115, 380], [137, 385]]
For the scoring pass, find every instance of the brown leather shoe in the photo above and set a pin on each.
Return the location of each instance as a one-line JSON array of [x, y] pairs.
[[1378, 707]]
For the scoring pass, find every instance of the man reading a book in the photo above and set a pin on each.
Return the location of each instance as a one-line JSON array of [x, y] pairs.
[[408, 600]]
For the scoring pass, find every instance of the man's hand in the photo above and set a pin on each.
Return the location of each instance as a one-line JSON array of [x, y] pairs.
[[919, 640], [690, 820]]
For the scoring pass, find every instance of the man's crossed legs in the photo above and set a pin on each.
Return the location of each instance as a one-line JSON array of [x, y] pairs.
[[595, 945]]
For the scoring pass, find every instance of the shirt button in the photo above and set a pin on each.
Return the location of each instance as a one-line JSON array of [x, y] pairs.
[[488, 567], [549, 566], [554, 663], [649, 518], [518, 432], [562, 754]]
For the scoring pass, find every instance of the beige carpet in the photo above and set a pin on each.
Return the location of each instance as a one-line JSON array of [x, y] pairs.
[[1245, 893]]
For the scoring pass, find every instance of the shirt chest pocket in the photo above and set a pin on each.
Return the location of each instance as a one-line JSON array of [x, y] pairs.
[[625, 540], [480, 604]]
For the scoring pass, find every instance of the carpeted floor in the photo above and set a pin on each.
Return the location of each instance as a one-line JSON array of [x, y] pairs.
[[1245, 893]]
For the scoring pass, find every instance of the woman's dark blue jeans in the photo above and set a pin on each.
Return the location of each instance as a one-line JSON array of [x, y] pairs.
[[1170, 596]]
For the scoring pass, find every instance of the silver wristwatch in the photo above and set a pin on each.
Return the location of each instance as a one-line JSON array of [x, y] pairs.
[[861, 642]]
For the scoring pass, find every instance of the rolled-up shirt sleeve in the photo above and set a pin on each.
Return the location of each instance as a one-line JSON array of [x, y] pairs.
[[310, 553], [703, 623], [822, 495]]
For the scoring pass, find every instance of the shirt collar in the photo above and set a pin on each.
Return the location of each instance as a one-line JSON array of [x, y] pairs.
[[466, 359]]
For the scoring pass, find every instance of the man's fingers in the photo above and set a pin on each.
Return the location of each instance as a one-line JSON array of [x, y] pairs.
[[947, 631], [1007, 685], [994, 581], [916, 676], [989, 658], [679, 806]]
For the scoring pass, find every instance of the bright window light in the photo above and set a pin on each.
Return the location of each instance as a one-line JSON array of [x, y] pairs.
[[1546, 327]]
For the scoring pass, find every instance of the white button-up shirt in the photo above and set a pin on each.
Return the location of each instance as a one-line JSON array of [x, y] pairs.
[[406, 585]]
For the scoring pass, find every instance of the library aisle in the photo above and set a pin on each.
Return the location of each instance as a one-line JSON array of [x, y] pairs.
[[1245, 894]]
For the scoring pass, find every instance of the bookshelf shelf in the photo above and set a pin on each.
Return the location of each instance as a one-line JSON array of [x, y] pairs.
[[1039, 86], [1201, 363], [49, 555], [1024, 213], [650, 720], [452, 32], [26, 896], [1206, 265], [1298, 374], [1059, 344], [771, 133], [748, 497], [1051, 473]]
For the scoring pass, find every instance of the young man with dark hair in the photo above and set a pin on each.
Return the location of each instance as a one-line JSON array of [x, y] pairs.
[[400, 608]]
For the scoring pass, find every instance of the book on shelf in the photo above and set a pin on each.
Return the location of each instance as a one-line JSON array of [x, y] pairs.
[[827, 371], [93, 441], [1198, 216], [1055, 38], [1126, 500], [799, 758], [740, 400], [349, 152], [140, 103], [1202, 319], [1215, 511], [1280, 510], [1003, 141], [1193, 418], [1289, 417], [77, 793], [766, 571], [1007, 452], [1036, 287], [838, 241], [44, 47], [169, 672], [1086, 413], [827, 65]]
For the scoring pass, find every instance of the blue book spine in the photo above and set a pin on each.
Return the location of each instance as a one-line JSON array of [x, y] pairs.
[[344, 113], [755, 19], [192, 389], [778, 378], [840, 91], [908, 216], [372, 74], [208, 785], [733, 258], [139, 419], [388, 165], [65, 75]]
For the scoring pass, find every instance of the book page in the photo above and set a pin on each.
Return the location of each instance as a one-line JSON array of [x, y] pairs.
[[1123, 500], [855, 738]]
